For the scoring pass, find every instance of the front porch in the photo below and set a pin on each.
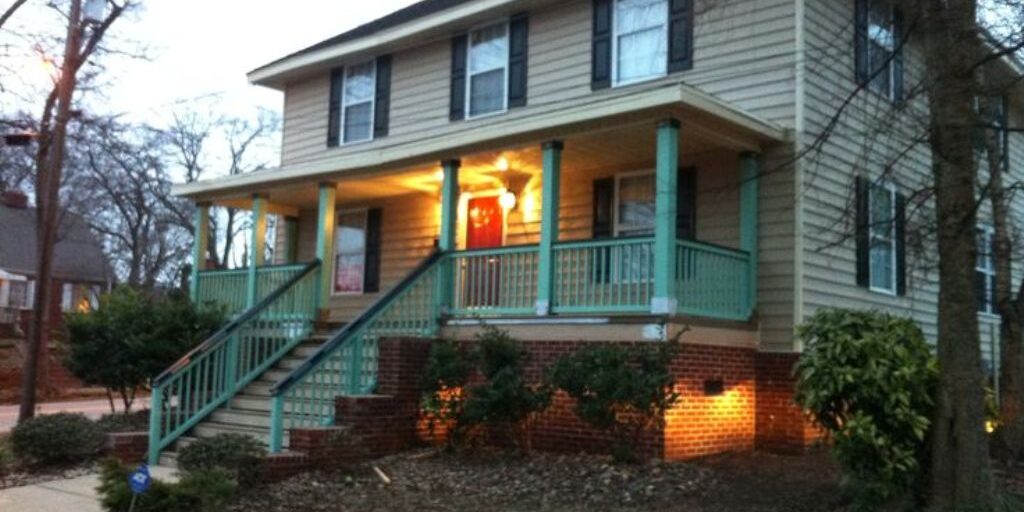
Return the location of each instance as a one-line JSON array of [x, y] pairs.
[[645, 218]]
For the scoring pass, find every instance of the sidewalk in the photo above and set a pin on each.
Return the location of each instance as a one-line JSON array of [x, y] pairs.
[[76, 494], [91, 408]]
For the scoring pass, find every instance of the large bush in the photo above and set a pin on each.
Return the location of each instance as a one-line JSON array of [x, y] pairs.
[[57, 439], [449, 368], [199, 491], [132, 337], [867, 378], [623, 391], [241, 456]]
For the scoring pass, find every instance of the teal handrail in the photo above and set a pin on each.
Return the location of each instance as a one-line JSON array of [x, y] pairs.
[[347, 363], [211, 374]]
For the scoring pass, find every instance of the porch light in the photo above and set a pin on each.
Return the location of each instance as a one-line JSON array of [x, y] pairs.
[[507, 200], [501, 164]]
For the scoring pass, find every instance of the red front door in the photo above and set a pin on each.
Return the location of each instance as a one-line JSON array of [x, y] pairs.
[[484, 230]]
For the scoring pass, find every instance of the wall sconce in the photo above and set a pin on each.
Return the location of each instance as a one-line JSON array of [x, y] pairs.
[[502, 164], [714, 387], [507, 200]]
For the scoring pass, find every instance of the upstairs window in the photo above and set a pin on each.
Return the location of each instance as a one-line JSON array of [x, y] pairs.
[[357, 110], [879, 58], [486, 87], [640, 40], [985, 271]]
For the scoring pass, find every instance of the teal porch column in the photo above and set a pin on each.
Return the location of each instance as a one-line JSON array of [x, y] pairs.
[[201, 228], [325, 244], [664, 301], [449, 229], [552, 162], [257, 245], [750, 177]]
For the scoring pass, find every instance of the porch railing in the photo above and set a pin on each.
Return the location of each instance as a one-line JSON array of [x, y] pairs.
[[499, 281], [604, 276], [347, 363], [229, 288], [713, 281], [248, 345]]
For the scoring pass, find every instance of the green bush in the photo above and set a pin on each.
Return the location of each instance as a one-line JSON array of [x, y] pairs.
[[132, 337], [241, 456], [57, 439], [6, 461], [504, 400], [447, 375], [124, 422], [620, 390], [867, 378], [200, 491]]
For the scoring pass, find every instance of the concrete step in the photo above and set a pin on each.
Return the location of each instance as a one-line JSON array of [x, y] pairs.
[[262, 404], [212, 429]]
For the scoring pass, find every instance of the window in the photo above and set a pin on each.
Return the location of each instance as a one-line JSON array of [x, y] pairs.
[[350, 252], [20, 294], [882, 237], [358, 102], [985, 271], [486, 91], [67, 297], [634, 205], [640, 40], [79, 298], [881, 47]]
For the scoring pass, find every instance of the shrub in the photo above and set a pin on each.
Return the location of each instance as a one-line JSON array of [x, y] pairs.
[[6, 462], [57, 439], [200, 491], [132, 337], [124, 422], [448, 370], [241, 456], [620, 390], [504, 400], [867, 378]]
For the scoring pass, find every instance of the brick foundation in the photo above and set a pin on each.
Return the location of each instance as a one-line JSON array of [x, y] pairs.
[[781, 426], [280, 466], [129, 448]]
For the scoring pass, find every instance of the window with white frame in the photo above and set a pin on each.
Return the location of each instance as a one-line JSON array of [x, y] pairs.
[[640, 41], [350, 252], [985, 271], [20, 294], [882, 237], [881, 46], [357, 107], [487, 84], [634, 204]]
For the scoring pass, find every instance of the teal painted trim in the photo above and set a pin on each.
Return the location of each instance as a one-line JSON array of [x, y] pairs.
[[449, 228], [666, 190], [257, 247], [276, 423], [201, 231], [602, 309], [155, 411], [551, 183], [750, 177], [325, 226], [605, 242]]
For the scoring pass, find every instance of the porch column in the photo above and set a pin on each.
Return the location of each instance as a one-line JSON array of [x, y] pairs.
[[551, 181], [201, 230], [750, 177], [325, 243], [664, 301], [449, 229], [257, 245]]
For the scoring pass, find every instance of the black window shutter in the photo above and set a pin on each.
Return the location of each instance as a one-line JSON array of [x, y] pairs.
[[860, 31], [603, 227], [460, 47], [901, 245], [518, 43], [897, 58], [371, 274], [382, 103], [680, 39], [334, 111], [862, 234], [686, 204], [601, 65]]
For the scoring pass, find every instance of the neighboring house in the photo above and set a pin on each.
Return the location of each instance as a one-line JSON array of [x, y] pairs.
[[590, 170], [80, 273]]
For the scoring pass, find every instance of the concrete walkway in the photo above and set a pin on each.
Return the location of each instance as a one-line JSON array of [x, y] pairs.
[[91, 408], [72, 495]]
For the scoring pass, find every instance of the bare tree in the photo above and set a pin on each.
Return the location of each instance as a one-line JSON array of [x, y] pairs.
[[10, 10]]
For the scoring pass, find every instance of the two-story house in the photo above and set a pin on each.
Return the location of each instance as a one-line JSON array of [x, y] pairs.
[[574, 171]]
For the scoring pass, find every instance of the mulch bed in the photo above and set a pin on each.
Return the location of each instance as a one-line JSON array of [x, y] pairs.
[[428, 481]]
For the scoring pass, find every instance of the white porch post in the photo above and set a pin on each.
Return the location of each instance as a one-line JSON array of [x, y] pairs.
[[201, 230]]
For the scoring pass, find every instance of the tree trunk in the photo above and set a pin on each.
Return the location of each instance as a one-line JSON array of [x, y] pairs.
[[961, 477], [50, 164]]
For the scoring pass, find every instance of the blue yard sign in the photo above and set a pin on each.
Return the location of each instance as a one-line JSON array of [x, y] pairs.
[[139, 480]]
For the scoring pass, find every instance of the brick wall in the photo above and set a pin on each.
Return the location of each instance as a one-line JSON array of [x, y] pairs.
[[781, 426]]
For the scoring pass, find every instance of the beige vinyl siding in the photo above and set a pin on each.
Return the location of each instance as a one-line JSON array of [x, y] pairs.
[[743, 53], [869, 136]]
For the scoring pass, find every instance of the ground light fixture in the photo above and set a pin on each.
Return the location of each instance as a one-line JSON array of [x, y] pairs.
[[714, 387]]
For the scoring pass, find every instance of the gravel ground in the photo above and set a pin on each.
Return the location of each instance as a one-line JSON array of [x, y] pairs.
[[426, 481]]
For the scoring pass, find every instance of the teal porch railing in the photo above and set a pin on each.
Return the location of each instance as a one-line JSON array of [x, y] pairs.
[[713, 281], [229, 287], [208, 376], [604, 276], [347, 363], [501, 281]]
